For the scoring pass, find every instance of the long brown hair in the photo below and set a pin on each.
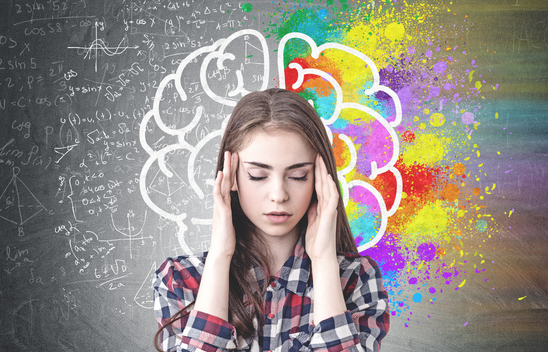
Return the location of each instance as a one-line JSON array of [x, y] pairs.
[[270, 110]]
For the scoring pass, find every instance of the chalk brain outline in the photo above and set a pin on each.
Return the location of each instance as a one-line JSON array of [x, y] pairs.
[[218, 53]]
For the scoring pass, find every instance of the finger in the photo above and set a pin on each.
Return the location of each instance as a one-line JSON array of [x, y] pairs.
[[312, 212], [318, 179], [217, 186], [234, 165], [225, 185], [334, 197], [325, 184]]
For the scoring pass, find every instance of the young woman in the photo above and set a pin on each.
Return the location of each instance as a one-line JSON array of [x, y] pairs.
[[282, 272]]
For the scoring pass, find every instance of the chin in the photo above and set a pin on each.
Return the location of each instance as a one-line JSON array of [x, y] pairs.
[[277, 231]]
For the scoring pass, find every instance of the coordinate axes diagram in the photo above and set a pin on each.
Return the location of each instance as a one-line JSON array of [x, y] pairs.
[[99, 46]]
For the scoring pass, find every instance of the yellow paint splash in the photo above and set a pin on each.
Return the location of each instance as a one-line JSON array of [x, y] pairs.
[[437, 119], [429, 223], [428, 149], [394, 32], [356, 116], [354, 73]]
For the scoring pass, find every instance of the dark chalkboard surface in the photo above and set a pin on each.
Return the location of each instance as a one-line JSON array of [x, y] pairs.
[[110, 118]]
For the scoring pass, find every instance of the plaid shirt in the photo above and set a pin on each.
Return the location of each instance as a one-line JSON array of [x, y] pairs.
[[288, 309]]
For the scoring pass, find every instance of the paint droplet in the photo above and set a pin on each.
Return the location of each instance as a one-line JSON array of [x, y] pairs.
[[441, 251], [413, 280], [426, 252], [519, 299], [432, 290], [478, 85], [437, 119], [467, 118], [450, 192], [408, 136], [462, 283], [417, 297], [465, 323], [481, 225], [394, 32], [247, 7], [426, 111], [458, 169], [440, 66]]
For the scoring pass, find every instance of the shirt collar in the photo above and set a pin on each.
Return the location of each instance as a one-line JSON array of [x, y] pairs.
[[295, 272]]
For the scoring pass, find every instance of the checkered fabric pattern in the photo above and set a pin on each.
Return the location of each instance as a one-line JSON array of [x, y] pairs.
[[288, 309]]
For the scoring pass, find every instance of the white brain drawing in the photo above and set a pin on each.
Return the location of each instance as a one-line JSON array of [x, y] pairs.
[[176, 180]]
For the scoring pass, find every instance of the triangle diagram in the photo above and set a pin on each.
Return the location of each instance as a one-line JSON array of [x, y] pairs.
[[17, 203], [167, 185], [253, 55], [144, 296], [8, 203]]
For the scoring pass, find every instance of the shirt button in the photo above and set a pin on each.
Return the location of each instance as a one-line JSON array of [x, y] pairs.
[[270, 316], [273, 284]]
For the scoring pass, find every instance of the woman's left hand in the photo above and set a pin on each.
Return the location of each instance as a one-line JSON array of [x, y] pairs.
[[322, 215]]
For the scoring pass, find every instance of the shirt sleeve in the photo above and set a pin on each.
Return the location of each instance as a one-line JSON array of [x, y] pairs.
[[366, 322], [176, 284]]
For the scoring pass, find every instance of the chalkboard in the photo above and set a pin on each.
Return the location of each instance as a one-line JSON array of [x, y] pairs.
[[111, 115], [90, 129]]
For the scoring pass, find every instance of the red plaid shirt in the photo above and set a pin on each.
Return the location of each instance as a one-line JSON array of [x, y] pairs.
[[288, 312]]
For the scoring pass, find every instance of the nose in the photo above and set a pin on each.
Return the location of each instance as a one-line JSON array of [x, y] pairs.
[[278, 193]]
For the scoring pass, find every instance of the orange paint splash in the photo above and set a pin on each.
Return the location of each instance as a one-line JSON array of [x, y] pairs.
[[458, 169]]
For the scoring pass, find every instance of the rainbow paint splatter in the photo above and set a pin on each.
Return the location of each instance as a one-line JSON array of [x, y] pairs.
[[426, 202]]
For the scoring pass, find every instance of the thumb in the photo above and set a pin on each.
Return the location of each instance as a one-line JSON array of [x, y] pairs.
[[312, 212]]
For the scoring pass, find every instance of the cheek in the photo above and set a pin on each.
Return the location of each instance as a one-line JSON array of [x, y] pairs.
[[304, 195], [249, 193]]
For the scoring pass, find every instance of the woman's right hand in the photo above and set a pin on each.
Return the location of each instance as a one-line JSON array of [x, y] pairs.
[[213, 294], [223, 236]]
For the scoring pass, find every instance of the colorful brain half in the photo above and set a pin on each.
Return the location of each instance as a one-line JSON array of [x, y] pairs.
[[360, 115]]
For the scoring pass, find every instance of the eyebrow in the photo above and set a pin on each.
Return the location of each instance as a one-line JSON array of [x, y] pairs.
[[268, 167]]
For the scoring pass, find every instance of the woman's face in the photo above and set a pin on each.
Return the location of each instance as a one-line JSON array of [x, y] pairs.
[[275, 182]]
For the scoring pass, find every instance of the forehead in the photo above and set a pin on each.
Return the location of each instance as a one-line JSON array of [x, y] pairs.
[[279, 147]]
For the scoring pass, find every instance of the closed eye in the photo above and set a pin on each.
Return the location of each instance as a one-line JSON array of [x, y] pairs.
[[303, 178], [253, 178]]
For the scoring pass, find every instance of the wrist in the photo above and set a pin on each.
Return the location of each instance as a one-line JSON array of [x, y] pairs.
[[328, 292], [324, 260], [219, 257]]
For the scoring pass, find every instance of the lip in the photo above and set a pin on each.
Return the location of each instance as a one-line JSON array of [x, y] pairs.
[[278, 217]]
